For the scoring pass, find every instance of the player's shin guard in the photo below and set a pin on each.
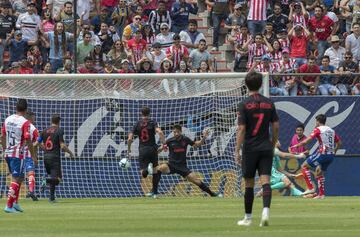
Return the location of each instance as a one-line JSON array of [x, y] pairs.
[[321, 185], [279, 185], [248, 200], [206, 189], [31, 179], [13, 190], [307, 177], [155, 181], [266, 195]]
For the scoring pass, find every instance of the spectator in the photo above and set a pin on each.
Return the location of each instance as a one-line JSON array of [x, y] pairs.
[[125, 67], [88, 66], [117, 54], [284, 38], [7, 25], [279, 21], [109, 4], [148, 35], [288, 83], [165, 38], [130, 29], [144, 66], [25, 67], [107, 36], [183, 68], [167, 67], [257, 49], [297, 138], [236, 19], [257, 16], [68, 67], [180, 12], [29, 23], [67, 17], [136, 47], [47, 23], [84, 48], [347, 67], [335, 52], [104, 16], [298, 14], [159, 17], [276, 54], [241, 55], [34, 58], [148, 6], [109, 67], [58, 44], [120, 16], [19, 7], [309, 84], [220, 10], [352, 42], [191, 37], [98, 56], [299, 37], [55, 6], [204, 67], [323, 27], [138, 10], [14, 69], [327, 82], [198, 55], [332, 16], [47, 68], [17, 46], [156, 56], [177, 52], [85, 28], [269, 33]]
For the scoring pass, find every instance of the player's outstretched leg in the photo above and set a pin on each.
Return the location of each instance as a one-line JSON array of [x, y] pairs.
[[12, 194], [289, 185], [31, 180], [307, 177], [248, 202], [193, 179]]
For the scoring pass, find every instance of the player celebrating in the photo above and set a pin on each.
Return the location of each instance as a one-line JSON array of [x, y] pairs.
[[177, 146], [52, 140], [146, 130], [29, 163], [15, 135], [329, 143], [256, 113]]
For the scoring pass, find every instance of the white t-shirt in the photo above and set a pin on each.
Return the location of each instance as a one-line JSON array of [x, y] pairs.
[[156, 60], [29, 25], [184, 37]]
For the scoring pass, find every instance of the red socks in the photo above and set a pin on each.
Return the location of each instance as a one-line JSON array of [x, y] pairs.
[[321, 185], [31, 179], [307, 176], [13, 194]]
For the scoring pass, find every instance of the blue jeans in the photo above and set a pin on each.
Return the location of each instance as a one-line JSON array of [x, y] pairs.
[[216, 23], [276, 91], [300, 61], [256, 27], [289, 91], [322, 46], [327, 89], [56, 64], [176, 29]]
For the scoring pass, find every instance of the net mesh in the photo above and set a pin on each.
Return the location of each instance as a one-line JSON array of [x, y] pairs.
[[98, 112]]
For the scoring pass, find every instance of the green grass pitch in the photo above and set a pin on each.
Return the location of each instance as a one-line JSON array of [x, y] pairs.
[[186, 217]]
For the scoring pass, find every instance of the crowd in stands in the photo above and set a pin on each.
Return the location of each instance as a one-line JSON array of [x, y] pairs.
[[158, 36]]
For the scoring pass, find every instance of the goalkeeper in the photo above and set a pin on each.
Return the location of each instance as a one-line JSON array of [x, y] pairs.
[[279, 180], [177, 146]]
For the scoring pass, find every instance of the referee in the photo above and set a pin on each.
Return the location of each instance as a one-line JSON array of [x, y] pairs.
[[52, 141], [255, 115]]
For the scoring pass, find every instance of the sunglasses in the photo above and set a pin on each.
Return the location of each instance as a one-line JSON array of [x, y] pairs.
[[164, 28], [137, 19], [348, 57], [335, 42]]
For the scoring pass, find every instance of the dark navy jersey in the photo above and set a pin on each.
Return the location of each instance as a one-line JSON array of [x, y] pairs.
[[257, 112], [177, 149], [145, 129], [52, 137]]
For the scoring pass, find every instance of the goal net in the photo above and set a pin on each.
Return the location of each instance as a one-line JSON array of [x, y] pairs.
[[99, 110]]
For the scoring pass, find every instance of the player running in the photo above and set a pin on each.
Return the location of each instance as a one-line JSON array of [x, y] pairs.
[[146, 129], [29, 163], [329, 142], [15, 134], [256, 114], [278, 179], [52, 140], [177, 146]]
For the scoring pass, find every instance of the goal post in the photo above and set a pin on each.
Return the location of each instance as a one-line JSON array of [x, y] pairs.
[[99, 110]]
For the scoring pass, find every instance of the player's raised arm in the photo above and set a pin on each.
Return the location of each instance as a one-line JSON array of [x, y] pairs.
[[161, 135], [130, 141], [202, 140]]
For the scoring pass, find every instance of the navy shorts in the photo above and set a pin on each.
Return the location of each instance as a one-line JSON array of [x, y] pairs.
[[322, 160], [181, 170], [16, 166], [29, 164]]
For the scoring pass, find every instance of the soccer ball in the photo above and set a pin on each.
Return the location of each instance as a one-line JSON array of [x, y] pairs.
[[124, 163]]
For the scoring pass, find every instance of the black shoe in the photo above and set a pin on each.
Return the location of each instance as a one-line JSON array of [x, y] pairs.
[[33, 196]]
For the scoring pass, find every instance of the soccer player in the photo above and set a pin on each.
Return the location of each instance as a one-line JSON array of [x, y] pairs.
[[329, 143], [146, 129], [279, 180], [15, 134], [177, 146], [52, 140], [29, 163], [256, 114]]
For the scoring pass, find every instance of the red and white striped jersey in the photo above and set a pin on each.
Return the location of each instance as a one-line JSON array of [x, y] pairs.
[[284, 43], [276, 57], [288, 67], [272, 68], [257, 10], [255, 51], [300, 20], [34, 134], [177, 54], [16, 129], [326, 138]]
